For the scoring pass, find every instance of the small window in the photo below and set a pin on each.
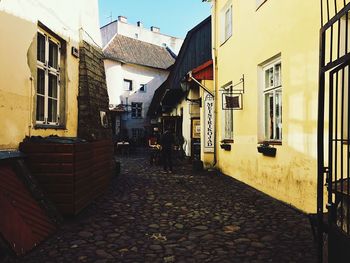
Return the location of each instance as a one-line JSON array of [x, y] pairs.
[[136, 110], [48, 79], [143, 87], [226, 22], [272, 94], [127, 85]]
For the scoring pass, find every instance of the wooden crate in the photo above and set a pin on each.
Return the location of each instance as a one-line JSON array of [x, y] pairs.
[[71, 174]]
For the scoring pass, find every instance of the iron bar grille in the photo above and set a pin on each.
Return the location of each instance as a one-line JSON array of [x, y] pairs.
[[335, 33], [334, 90], [330, 9], [333, 117], [338, 147]]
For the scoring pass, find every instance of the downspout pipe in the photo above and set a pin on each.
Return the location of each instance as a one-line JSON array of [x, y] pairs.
[[214, 54]]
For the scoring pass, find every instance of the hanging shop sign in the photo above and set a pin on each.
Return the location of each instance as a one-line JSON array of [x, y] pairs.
[[208, 122]]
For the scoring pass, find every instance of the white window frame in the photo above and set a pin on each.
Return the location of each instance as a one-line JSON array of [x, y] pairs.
[[130, 85], [274, 91], [226, 22], [47, 71], [137, 106], [227, 119]]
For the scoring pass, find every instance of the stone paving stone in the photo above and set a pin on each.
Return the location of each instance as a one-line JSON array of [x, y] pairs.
[[148, 216]]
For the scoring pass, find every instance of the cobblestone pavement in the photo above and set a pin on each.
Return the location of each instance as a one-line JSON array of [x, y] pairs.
[[148, 216]]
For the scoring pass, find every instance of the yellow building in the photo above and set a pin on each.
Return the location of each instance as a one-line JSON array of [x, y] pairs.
[[266, 89], [39, 66]]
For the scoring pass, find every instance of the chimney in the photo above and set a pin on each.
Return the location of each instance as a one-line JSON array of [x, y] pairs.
[[139, 24], [155, 29], [122, 19]]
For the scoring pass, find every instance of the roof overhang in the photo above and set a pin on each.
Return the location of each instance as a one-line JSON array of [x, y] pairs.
[[204, 71]]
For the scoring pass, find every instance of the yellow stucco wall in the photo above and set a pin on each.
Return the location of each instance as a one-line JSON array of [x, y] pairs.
[[289, 28], [18, 83]]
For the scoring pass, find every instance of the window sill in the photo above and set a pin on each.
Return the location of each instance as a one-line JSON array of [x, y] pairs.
[[271, 142], [51, 127], [227, 141]]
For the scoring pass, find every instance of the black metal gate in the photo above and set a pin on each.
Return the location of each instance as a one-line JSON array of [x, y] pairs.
[[333, 133]]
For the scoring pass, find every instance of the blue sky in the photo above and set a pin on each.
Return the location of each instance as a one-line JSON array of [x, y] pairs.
[[174, 17]]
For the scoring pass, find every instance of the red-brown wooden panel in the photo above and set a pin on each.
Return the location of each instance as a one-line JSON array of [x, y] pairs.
[[53, 178], [31, 147], [89, 165], [22, 222], [61, 198], [58, 188], [51, 157], [82, 147], [38, 167]]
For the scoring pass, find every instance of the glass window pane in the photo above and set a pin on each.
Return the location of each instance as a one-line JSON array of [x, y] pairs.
[[269, 78], [278, 75], [40, 82], [41, 48], [269, 116], [127, 85], [53, 54], [228, 124], [52, 110], [278, 114], [228, 23], [53, 89], [40, 108]]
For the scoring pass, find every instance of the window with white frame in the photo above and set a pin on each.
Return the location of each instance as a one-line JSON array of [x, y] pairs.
[[127, 84], [227, 117], [272, 94], [226, 22], [136, 110], [143, 87], [48, 79]]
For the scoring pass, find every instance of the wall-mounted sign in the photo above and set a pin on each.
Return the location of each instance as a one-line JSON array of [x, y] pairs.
[[208, 122], [232, 101]]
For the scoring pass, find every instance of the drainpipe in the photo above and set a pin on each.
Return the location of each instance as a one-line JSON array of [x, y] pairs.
[[214, 54]]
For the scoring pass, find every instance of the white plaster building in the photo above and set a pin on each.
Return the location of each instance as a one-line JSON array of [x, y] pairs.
[[137, 62], [138, 31]]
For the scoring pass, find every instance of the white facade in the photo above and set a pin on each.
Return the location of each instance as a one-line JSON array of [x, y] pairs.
[[141, 33], [116, 72], [74, 19]]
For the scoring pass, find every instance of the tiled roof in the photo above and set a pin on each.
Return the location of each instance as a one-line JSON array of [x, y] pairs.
[[129, 50]]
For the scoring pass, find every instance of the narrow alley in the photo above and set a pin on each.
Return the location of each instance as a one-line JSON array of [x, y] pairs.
[[187, 216]]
